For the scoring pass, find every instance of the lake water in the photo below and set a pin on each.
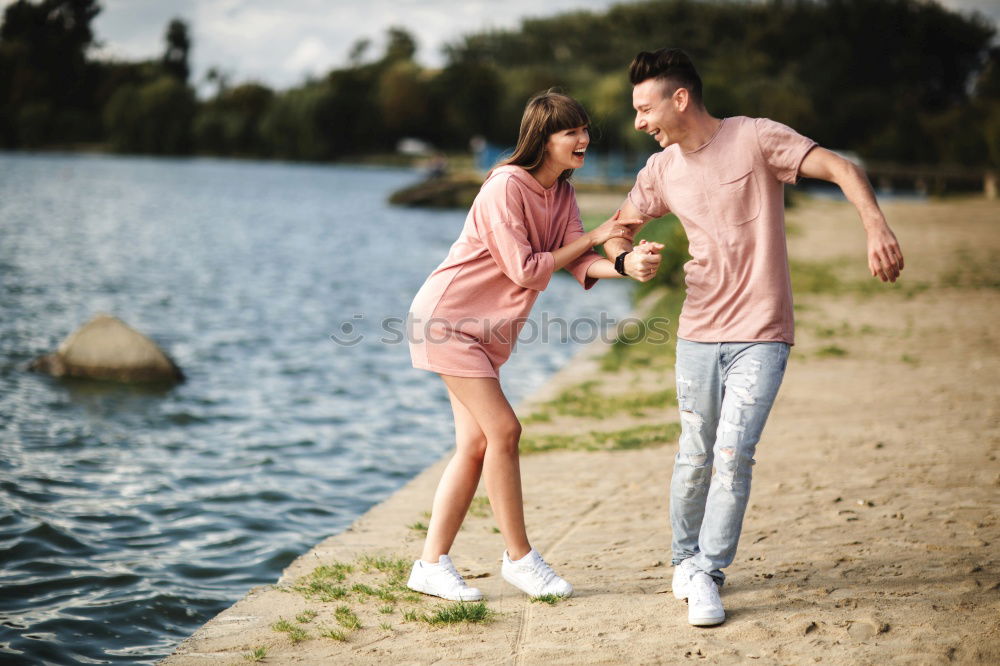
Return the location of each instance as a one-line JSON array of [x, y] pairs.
[[128, 516]]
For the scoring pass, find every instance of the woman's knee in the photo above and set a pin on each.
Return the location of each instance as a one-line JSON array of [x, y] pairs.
[[505, 437], [472, 446]]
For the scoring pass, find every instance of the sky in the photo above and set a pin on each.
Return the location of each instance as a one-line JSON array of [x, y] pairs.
[[282, 42]]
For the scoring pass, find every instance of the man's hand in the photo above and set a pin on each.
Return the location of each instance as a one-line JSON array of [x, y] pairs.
[[885, 259], [643, 262]]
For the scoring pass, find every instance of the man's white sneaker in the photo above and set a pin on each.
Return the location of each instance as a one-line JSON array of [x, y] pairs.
[[682, 579], [704, 605], [533, 576], [441, 580]]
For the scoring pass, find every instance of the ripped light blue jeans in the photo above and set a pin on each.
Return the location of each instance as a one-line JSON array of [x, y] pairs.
[[724, 392]]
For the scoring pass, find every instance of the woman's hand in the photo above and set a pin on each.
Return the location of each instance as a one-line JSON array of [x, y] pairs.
[[614, 228]]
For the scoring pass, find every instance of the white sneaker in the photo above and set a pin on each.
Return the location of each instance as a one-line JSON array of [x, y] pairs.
[[704, 605], [682, 579], [441, 580], [533, 576]]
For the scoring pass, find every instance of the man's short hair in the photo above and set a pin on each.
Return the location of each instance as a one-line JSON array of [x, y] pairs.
[[671, 66]]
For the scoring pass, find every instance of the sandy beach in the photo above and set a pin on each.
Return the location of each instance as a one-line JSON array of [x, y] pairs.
[[872, 534]]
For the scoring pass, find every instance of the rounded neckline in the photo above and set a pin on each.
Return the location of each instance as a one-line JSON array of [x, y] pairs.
[[708, 142]]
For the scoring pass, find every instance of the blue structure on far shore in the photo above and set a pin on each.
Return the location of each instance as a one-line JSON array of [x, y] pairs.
[[598, 167]]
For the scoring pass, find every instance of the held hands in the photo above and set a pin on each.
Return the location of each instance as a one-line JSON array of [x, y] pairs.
[[885, 259], [614, 228], [642, 262]]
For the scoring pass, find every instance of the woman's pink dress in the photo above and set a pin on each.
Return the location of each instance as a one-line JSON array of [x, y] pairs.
[[465, 319]]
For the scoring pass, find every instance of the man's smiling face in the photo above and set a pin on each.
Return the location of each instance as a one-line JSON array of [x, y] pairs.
[[655, 114]]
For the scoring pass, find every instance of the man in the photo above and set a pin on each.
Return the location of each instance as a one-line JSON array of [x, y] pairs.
[[724, 180]]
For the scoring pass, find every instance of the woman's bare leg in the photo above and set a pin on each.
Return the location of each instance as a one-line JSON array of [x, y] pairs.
[[485, 402], [458, 483]]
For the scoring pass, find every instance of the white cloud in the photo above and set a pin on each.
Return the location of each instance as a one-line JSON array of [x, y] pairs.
[[279, 42], [311, 56]]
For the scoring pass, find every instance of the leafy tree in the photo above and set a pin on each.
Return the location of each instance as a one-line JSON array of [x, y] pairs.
[[400, 45], [230, 124], [175, 58], [45, 78], [153, 118]]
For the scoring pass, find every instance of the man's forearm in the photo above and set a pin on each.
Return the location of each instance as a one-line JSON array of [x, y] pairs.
[[616, 246], [854, 183]]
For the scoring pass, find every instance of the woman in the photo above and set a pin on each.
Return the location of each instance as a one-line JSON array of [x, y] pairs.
[[523, 226]]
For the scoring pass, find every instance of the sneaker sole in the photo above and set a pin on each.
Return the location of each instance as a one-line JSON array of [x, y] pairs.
[[532, 594], [417, 588], [706, 621]]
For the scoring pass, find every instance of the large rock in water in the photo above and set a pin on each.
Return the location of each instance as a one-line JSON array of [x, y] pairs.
[[108, 348]]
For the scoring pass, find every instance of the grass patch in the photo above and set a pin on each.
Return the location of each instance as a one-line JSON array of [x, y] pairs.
[[831, 351], [256, 654], [396, 567], [550, 599], [630, 438], [973, 272], [480, 507], [386, 610], [411, 615], [306, 616], [328, 582], [824, 277], [320, 590], [909, 360], [418, 526], [815, 277], [334, 634], [476, 613], [296, 634], [584, 400], [656, 349], [385, 626], [362, 589], [336, 571], [346, 618], [322, 583]]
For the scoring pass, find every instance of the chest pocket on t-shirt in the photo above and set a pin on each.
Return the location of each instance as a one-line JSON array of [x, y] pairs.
[[737, 201]]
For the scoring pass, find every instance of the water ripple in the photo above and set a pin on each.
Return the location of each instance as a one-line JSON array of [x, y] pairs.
[[129, 516]]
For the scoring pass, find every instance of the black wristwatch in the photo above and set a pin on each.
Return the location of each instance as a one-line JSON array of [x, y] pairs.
[[620, 263]]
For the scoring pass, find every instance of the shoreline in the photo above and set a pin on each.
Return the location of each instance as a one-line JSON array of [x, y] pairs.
[[365, 536], [871, 532]]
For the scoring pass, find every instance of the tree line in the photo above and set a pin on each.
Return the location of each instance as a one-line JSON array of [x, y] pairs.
[[900, 80]]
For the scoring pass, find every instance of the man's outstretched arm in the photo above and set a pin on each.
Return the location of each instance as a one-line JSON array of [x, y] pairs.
[[885, 259], [642, 263]]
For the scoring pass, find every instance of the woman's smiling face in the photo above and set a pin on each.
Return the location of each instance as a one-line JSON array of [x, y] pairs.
[[565, 149]]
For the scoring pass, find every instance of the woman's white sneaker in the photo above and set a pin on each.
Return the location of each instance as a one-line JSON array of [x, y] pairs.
[[441, 580], [704, 605], [533, 576]]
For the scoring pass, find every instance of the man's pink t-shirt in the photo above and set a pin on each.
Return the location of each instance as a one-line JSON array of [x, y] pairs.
[[729, 196]]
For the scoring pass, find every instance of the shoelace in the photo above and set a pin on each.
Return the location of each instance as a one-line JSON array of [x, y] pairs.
[[450, 568], [543, 570]]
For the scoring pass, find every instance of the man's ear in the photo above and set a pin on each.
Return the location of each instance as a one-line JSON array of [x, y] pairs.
[[681, 99]]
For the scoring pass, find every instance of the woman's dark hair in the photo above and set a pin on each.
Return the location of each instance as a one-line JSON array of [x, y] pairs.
[[671, 66], [545, 114]]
